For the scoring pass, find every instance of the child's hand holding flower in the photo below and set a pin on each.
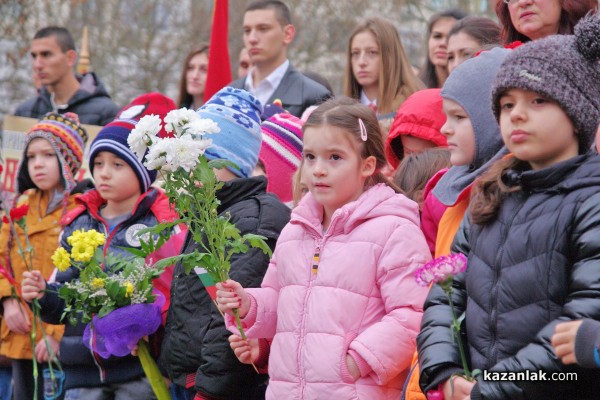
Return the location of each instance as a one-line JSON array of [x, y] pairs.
[[246, 350], [231, 295], [33, 285], [458, 388]]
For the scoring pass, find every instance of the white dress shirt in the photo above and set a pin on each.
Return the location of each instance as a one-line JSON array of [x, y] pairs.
[[265, 89]]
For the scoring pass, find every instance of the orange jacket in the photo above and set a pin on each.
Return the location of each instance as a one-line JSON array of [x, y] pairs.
[[43, 231], [448, 226]]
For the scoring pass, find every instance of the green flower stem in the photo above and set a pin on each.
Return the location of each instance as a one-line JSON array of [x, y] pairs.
[[151, 370], [33, 338], [456, 328], [27, 255], [238, 322]]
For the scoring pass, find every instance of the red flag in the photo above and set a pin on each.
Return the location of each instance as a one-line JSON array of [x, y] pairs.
[[219, 68]]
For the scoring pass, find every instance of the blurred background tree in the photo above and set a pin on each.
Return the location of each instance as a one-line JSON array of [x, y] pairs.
[[138, 46]]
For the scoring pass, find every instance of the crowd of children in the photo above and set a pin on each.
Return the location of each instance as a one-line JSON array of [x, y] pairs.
[[499, 165]]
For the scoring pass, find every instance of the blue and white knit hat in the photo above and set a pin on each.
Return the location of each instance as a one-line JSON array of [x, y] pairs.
[[237, 113], [113, 137]]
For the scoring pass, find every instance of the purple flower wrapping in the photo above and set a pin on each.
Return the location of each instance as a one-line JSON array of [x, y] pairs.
[[118, 332]]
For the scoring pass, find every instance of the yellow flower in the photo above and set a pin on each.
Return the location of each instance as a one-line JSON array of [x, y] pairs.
[[91, 238], [75, 237], [61, 259], [97, 283], [97, 238], [82, 252], [128, 289]]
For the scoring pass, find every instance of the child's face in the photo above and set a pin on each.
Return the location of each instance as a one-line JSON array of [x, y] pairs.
[[115, 180], [535, 129], [43, 166], [459, 133], [332, 168]]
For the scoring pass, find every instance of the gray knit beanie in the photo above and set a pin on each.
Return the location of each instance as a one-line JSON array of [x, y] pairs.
[[563, 68]]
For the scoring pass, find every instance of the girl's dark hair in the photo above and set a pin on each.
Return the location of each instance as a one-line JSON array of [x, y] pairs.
[[490, 189], [185, 99], [344, 113], [572, 12], [484, 30], [416, 170], [427, 73]]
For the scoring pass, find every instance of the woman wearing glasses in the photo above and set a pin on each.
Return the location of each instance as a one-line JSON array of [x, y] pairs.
[[527, 20]]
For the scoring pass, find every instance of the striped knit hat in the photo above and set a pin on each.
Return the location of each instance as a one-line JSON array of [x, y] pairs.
[[281, 152], [237, 113], [67, 138], [113, 137]]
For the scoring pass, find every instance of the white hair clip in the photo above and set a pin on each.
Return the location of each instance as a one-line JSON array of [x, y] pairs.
[[363, 130]]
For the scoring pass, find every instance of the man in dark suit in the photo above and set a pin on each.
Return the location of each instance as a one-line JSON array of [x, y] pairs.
[[268, 31]]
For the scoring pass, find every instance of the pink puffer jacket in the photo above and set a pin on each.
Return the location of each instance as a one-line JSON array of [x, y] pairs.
[[363, 301]]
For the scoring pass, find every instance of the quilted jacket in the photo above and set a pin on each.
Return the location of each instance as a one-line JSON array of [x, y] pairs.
[[537, 263], [363, 300]]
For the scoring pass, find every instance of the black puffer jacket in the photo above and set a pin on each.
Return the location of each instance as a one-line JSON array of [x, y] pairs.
[[91, 103], [195, 341], [535, 265]]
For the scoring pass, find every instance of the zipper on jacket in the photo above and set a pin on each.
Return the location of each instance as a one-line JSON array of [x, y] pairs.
[[311, 279], [316, 257]]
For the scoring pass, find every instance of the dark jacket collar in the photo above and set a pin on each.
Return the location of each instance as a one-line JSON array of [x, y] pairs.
[[240, 189], [574, 173]]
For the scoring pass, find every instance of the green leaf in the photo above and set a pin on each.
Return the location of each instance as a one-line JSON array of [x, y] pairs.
[[136, 252], [112, 289], [460, 319], [197, 259], [222, 163], [165, 262], [105, 311], [237, 247], [259, 242]]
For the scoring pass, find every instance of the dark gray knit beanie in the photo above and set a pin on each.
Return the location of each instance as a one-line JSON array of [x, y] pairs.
[[564, 68]]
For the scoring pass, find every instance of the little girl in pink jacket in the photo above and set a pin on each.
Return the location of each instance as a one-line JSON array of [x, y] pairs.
[[339, 299]]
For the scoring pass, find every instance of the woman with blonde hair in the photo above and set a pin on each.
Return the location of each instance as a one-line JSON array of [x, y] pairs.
[[381, 83]]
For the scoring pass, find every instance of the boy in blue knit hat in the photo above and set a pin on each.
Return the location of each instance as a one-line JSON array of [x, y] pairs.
[[195, 350], [122, 204]]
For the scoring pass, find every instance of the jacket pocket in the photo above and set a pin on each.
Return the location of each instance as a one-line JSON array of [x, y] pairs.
[[345, 374]]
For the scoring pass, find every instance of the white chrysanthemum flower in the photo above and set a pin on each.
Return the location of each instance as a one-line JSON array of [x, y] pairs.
[[184, 153], [203, 126], [157, 156], [144, 134], [178, 119]]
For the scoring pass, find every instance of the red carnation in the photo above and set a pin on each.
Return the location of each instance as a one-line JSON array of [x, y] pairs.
[[17, 213]]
